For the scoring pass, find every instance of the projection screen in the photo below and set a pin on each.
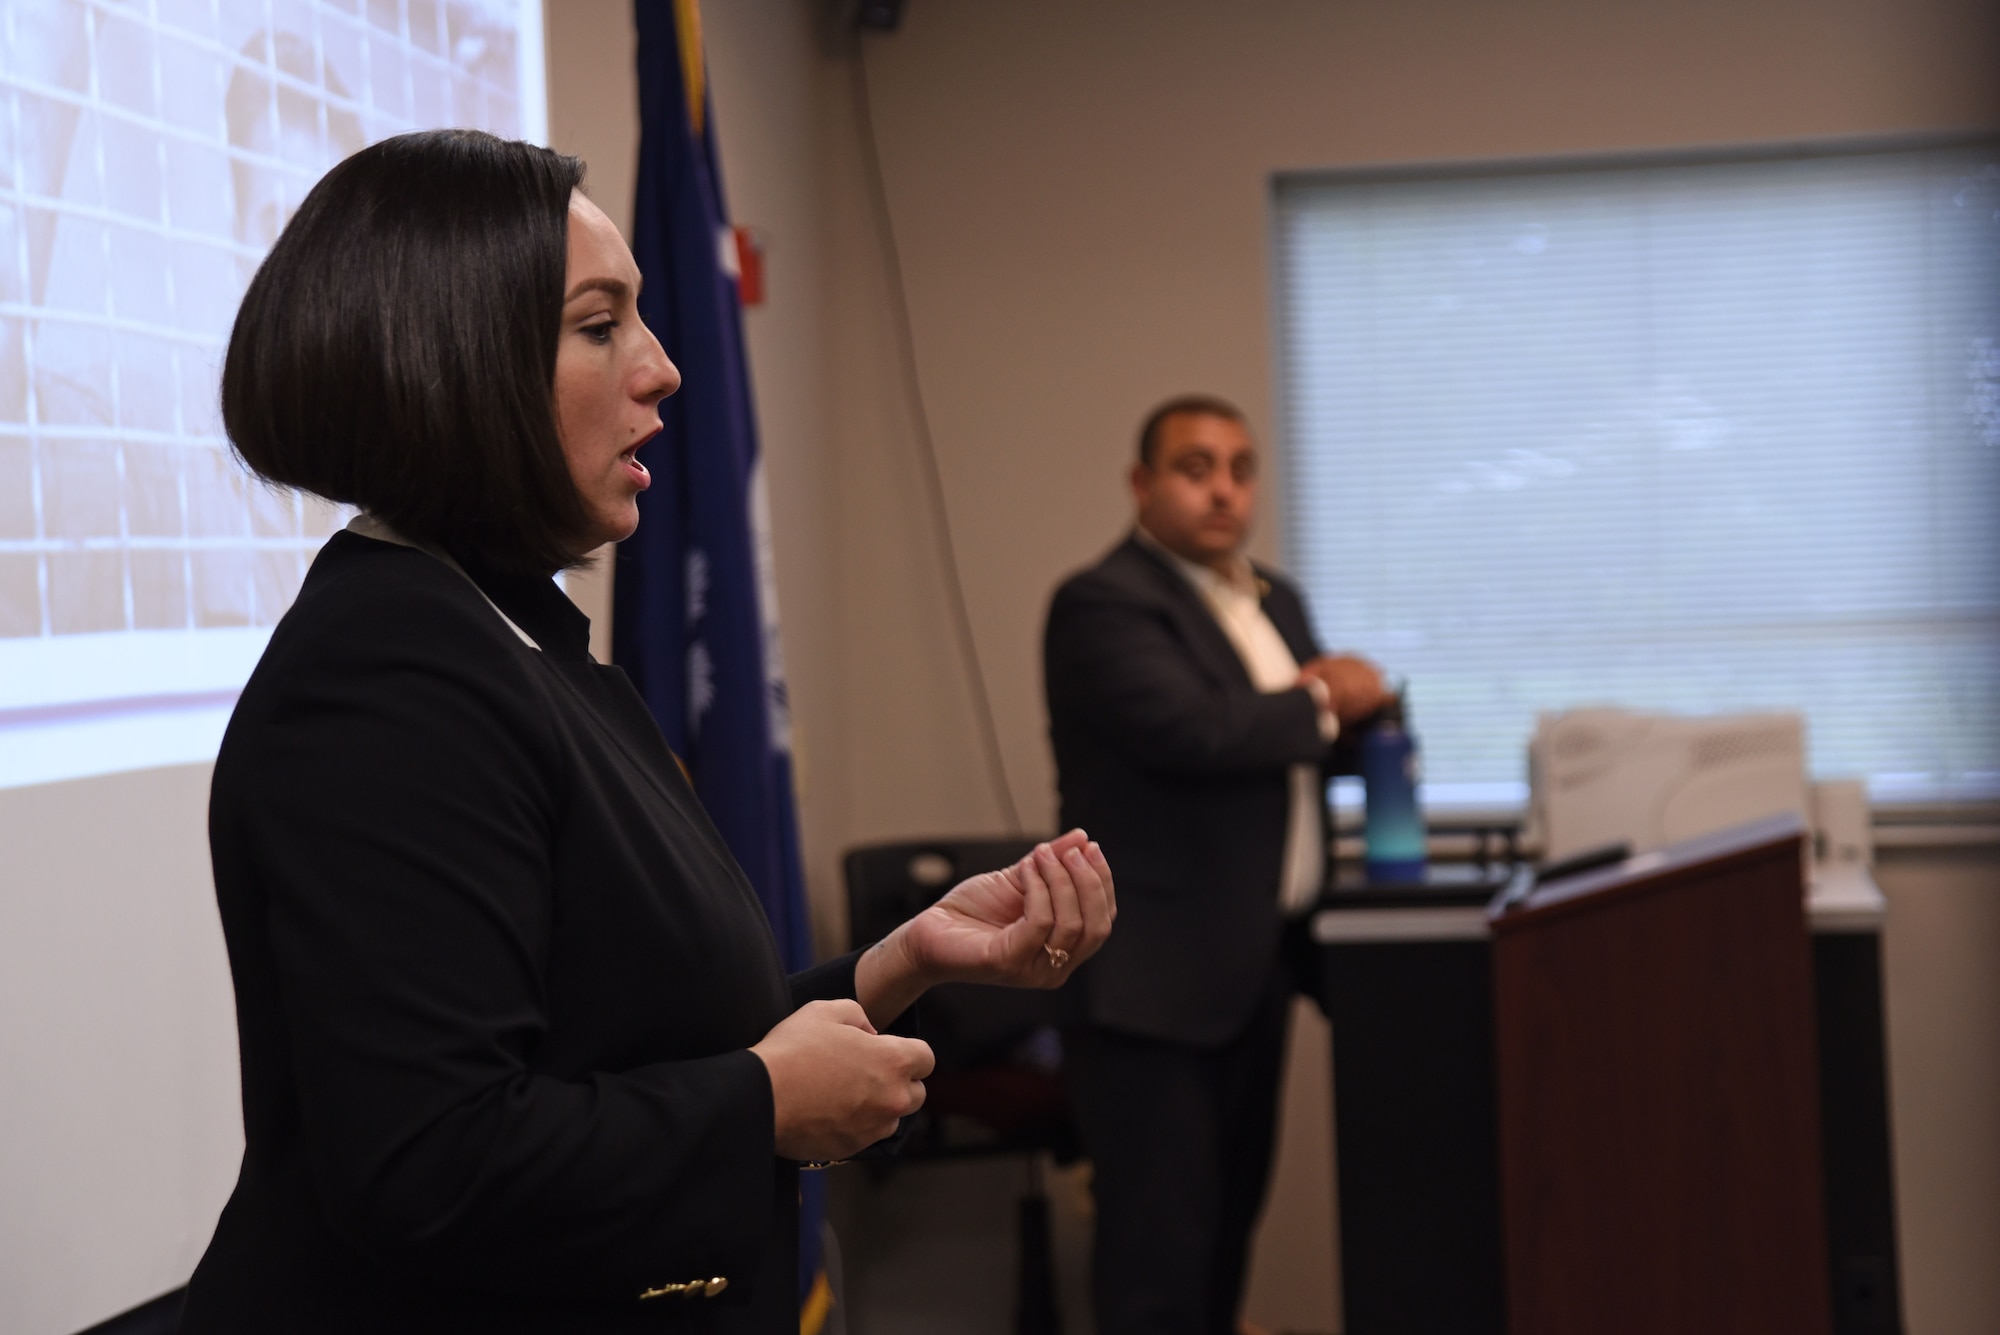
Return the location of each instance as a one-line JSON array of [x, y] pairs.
[[151, 152]]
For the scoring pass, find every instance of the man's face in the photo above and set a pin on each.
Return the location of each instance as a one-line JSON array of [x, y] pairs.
[[1200, 494]]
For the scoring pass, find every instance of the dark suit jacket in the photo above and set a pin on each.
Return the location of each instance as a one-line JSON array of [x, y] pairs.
[[495, 977], [1176, 764]]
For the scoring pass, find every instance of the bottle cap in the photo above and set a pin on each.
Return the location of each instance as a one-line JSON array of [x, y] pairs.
[[1396, 708]]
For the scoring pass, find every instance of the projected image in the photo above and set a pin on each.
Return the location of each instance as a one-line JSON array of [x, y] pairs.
[[150, 153]]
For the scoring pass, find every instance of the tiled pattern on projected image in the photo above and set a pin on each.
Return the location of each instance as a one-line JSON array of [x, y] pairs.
[[149, 153]]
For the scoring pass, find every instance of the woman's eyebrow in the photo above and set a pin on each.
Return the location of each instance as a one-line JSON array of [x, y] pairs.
[[616, 287]]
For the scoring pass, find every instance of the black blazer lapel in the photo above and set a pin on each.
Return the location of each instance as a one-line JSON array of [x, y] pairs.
[[1204, 634]]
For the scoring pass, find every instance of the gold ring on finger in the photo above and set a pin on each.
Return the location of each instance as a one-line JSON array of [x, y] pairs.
[[1057, 956]]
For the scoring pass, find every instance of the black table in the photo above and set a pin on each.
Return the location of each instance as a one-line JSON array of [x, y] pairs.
[[1404, 976]]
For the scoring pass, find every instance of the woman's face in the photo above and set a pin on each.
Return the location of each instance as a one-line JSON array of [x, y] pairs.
[[610, 376]]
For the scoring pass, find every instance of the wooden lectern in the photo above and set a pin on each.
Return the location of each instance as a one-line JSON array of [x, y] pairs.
[[1658, 1096]]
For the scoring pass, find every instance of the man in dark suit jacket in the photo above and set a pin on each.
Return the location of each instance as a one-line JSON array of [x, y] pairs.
[[1194, 720]]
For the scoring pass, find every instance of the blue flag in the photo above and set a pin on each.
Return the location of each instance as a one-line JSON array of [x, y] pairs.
[[694, 604]]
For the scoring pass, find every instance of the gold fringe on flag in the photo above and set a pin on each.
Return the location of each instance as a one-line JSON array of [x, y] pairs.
[[819, 1302], [687, 21]]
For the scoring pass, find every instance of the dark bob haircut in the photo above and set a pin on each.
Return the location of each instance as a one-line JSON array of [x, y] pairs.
[[1187, 405], [397, 349]]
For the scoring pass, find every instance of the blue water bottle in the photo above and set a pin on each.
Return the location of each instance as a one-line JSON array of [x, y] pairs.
[[1390, 772]]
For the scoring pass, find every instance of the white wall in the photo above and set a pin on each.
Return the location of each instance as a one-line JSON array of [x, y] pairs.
[[1941, 964], [120, 1129], [1082, 194]]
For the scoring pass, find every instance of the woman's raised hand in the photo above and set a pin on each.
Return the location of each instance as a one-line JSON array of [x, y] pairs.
[[837, 1086], [1027, 926]]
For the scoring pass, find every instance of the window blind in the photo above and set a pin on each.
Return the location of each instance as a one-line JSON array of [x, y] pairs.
[[1688, 436]]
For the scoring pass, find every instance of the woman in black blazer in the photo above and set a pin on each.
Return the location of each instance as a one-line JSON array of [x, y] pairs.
[[517, 1050]]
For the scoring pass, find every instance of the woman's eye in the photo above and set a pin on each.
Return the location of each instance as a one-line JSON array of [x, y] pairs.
[[599, 332]]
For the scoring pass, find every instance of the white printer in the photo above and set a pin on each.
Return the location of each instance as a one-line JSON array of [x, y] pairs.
[[1612, 776], [1606, 776]]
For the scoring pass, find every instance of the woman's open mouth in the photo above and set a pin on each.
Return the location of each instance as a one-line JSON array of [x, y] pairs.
[[634, 470]]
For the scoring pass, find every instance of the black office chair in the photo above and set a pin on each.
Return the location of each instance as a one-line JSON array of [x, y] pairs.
[[997, 1088]]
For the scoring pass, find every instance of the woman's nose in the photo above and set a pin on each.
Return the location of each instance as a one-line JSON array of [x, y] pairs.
[[659, 378]]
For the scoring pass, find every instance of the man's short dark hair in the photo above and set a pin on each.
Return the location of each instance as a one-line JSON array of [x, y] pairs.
[[397, 349], [1187, 405]]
